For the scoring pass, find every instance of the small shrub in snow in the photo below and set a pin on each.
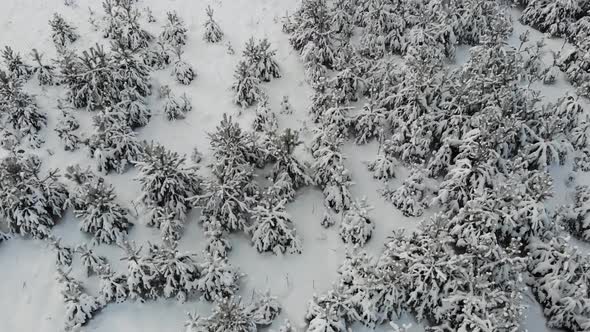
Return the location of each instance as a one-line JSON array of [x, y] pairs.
[[157, 56], [174, 32], [356, 227], [213, 33], [218, 278], [272, 229], [62, 33]]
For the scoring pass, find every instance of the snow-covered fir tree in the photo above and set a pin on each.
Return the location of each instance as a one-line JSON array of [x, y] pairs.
[[272, 229], [113, 144], [176, 107], [122, 24], [166, 183], [261, 59], [178, 272], [63, 254], [142, 274], [575, 217], [264, 309], [217, 244], [80, 307], [246, 86], [356, 226], [112, 286], [15, 65], [32, 201], [266, 119], [230, 315], [93, 263], [43, 72], [218, 279], [213, 33], [157, 55], [183, 71], [410, 196], [94, 203], [174, 31], [62, 32]]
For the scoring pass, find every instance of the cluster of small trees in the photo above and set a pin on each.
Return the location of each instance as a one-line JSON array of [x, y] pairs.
[[479, 143], [568, 19], [233, 200]]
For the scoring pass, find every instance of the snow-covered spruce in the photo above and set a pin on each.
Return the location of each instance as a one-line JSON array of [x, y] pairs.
[[410, 196], [134, 106], [62, 32], [218, 278], [166, 182], [183, 71], [94, 203], [356, 227], [122, 24], [80, 307], [576, 66], [553, 17], [264, 309], [113, 144], [178, 272], [20, 111], [228, 315], [176, 108], [272, 229], [174, 32], [63, 254], [246, 86], [575, 218], [66, 129], [113, 287], [261, 59], [157, 56], [368, 123], [286, 163], [15, 65], [31, 202], [43, 72], [217, 244], [142, 275], [213, 33], [266, 119], [93, 263]]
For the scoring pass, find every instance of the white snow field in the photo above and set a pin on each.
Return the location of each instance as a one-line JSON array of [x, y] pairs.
[[30, 298]]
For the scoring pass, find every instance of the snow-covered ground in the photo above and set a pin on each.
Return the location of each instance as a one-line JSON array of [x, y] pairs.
[[29, 295]]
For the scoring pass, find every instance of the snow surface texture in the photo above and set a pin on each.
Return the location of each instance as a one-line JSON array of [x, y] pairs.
[[30, 298]]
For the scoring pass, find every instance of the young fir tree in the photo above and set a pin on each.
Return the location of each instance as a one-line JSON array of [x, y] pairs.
[[217, 244], [213, 33], [260, 59], [62, 32], [43, 72], [80, 307], [264, 309], [157, 56], [66, 128], [410, 196], [112, 286], [356, 227], [114, 144], [183, 72], [286, 163], [63, 254], [218, 278], [94, 264], [15, 65], [167, 183], [32, 202], [272, 229], [123, 24], [95, 204], [142, 274], [174, 32], [176, 108], [178, 272], [246, 86], [266, 119], [230, 315]]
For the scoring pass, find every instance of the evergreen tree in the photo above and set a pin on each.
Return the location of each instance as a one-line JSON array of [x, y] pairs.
[[32, 202], [217, 244], [62, 32], [142, 277], [113, 287], [15, 65], [410, 196], [230, 315], [94, 203], [264, 309], [246, 86], [174, 32], [178, 271], [166, 182], [213, 33], [44, 72], [123, 24], [356, 227], [266, 119], [218, 278], [260, 59], [176, 108], [183, 71], [272, 229], [93, 263], [63, 254]]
